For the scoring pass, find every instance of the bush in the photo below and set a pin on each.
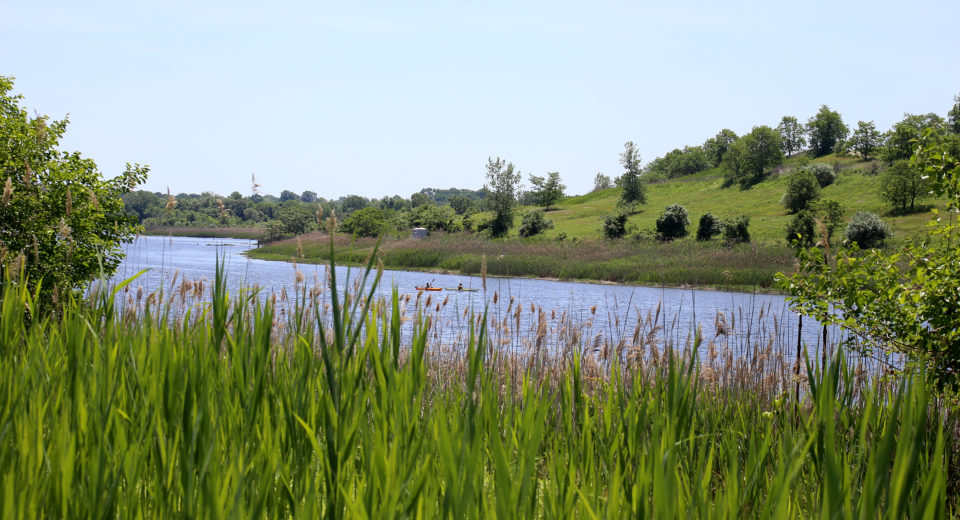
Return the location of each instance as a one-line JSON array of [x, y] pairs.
[[802, 189], [825, 175], [672, 224], [709, 227], [366, 222], [615, 225], [867, 230], [802, 229], [534, 223], [735, 230]]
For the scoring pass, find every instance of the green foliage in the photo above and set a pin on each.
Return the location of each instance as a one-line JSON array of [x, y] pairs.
[[902, 184], [792, 135], [824, 174], [602, 182], [815, 225], [867, 230], [953, 115], [901, 140], [295, 217], [825, 130], [866, 139], [61, 222], [749, 158], [679, 163], [547, 191], [708, 227], [460, 204], [615, 225], [736, 230], [366, 222], [435, 218], [419, 199], [716, 147], [633, 190], [802, 189], [502, 185], [286, 195], [672, 224], [534, 223]]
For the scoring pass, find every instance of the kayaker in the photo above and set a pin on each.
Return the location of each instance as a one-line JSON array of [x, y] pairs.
[[460, 286]]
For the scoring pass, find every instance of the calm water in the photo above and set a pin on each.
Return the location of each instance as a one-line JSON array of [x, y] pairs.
[[609, 310]]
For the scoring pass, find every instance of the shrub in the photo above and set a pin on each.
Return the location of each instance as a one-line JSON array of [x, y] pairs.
[[366, 222], [534, 223], [825, 175], [802, 189], [736, 231], [673, 223], [867, 230], [561, 236], [615, 225], [709, 227], [802, 229]]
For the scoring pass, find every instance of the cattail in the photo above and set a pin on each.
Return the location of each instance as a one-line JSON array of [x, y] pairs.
[[299, 247], [27, 172], [7, 191], [483, 271], [495, 297], [319, 216]]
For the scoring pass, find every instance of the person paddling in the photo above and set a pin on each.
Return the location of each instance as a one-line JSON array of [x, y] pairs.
[[460, 286]]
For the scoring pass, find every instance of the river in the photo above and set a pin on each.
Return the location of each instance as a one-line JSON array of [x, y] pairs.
[[610, 311]]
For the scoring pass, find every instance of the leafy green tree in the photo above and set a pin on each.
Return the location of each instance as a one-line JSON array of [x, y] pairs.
[[901, 140], [802, 189], [286, 195], [419, 199], [866, 139], [366, 222], [815, 225], [308, 196], [902, 184], [825, 130], [708, 227], [295, 217], [502, 185], [678, 163], [672, 224], [435, 218], [792, 134], [716, 147], [602, 182], [352, 203], [534, 223], [904, 302], [547, 191], [752, 155], [953, 115], [460, 204], [736, 230], [614, 224], [60, 220], [634, 192]]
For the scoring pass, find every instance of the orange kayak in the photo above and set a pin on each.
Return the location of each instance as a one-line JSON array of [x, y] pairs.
[[429, 288]]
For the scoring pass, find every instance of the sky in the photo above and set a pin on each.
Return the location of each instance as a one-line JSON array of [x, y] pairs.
[[384, 98]]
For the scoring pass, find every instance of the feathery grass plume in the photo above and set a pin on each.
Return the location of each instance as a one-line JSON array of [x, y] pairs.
[[94, 201], [319, 216], [254, 187], [27, 172], [63, 230], [171, 202], [7, 191]]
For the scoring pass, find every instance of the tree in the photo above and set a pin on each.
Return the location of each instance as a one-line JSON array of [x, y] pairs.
[[614, 224], [672, 224], [502, 185], [902, 184], [366, 222], [460, 204], [547, 192], [286, 195], [435, 218], [867, 230], [904, 302], [791, 131], [802, 189], [634, 192], [815, 225], [716, 147], [824, 174], [736, 230], [825, 130], [901, 140], [752, 155], [953, 115], [866, 139], [308, 196], [295, 218], [534, 223], [352, 203], [419, 199], [60, 220], [602, 182], [709, 227]]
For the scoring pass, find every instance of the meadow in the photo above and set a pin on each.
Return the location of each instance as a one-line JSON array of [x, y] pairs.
[[193, 402]]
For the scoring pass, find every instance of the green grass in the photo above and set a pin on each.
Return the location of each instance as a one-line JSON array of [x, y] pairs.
[[239, 409], [250, 233]]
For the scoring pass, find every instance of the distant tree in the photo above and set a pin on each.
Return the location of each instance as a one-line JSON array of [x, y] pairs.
[[752, 155], [792, 134], [419, 199], [352, 203], [308, 196], [460, 204], [614, 224], [902, 139], [953, 115], [547, 191], [716, 147], [709, 227], [296, 218], [866, 139], [435, 218], [602, 182], [809, 226], [634, 192], [366, 222], [286, 195], [902, 184], [678, 163], [534, 223], [825, 129], [236, 195], [802, 189], [672, 224], [867, 230], [736, 164], [502, 185], [736, 230]]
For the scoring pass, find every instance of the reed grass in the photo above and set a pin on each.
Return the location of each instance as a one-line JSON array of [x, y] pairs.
[[338, 404]]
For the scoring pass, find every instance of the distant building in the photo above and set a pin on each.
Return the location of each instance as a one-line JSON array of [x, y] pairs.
[[419, 232]]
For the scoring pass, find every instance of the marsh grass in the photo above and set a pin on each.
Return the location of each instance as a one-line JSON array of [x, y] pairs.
[[324, 403]]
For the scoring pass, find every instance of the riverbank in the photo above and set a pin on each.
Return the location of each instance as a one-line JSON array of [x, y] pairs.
[[248, 233], [684, 263]]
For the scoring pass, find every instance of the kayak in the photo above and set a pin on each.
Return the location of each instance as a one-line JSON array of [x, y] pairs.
[[429, 289], [462, 290]]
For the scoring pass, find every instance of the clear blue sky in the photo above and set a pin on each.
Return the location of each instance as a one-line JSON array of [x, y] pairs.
[[388, 98]]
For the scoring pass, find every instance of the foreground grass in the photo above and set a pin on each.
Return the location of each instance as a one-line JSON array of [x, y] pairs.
[[682, 263], [329, 409]]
